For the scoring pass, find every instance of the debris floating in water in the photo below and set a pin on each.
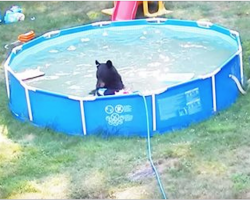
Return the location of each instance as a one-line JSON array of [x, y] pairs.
[[71, 48]]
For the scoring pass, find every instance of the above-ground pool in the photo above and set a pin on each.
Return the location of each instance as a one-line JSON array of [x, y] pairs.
[[177, 72]]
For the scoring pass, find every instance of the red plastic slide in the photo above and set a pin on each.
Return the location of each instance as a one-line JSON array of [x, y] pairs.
[[124, 10]]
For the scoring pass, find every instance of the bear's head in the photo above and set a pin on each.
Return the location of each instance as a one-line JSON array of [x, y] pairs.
[[108, 77]]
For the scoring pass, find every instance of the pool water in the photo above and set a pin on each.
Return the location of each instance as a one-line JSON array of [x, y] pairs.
[[145, 57]]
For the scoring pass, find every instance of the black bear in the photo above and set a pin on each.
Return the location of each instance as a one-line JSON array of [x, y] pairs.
[[109, 80]]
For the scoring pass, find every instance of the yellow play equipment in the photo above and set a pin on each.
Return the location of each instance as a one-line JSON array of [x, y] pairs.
[[108, 11], [161, 9]]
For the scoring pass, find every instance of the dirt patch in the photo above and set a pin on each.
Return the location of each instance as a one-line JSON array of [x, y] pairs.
[[146, 171], [141, 173]]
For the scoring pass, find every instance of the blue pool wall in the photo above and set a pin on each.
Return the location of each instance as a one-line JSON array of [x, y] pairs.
[[125, 115]]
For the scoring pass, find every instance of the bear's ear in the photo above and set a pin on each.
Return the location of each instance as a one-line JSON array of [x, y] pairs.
[[109, 64], [97, 63]]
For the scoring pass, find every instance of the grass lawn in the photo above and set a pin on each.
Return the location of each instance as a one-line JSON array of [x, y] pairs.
[[207, 160]]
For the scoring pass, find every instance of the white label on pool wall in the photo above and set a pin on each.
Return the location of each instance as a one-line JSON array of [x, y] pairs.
[[179, 105], [118, 114]]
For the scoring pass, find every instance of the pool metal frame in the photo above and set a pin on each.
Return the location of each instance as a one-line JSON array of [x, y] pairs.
[[175, 107]]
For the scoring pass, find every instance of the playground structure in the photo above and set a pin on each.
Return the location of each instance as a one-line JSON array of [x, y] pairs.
[[126, 10]]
